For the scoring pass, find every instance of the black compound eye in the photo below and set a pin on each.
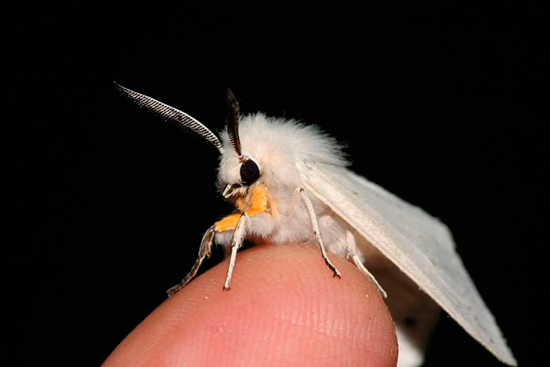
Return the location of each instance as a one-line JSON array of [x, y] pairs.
[[249, 172]]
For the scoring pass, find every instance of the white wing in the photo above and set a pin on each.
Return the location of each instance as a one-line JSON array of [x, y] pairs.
[[417, 243]]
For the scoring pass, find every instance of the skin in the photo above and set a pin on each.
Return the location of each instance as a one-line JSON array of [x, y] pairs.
[[284, 309]]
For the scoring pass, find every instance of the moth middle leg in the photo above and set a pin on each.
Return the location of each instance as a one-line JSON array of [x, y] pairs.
[[317, 232]]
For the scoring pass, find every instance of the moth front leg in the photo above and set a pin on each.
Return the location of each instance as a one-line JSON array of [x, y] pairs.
[[234, 223], [236, 243], [255, 217], [255, 220], [205, 250]]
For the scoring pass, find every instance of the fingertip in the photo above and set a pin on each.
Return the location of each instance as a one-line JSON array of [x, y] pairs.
[[284, 306]]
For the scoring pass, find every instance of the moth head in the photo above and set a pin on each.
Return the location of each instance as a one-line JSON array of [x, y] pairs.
[[269, 151], [258, 148]]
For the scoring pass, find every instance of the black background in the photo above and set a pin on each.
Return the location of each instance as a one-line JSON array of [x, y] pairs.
[[111, 202]]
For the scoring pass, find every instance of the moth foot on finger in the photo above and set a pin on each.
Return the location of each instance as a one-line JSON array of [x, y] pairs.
[[335, 272], [363, 269], [175, 289]]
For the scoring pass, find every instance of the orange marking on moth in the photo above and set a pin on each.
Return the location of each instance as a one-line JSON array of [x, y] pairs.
[[229, 222], [256, 202]]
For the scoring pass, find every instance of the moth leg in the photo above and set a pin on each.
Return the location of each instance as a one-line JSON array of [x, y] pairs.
[[236, 243], [204, 252], [357, 261], [352, 248], [317, 232]]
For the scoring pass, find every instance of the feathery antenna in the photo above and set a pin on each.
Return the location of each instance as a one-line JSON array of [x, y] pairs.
[[171, 114], [232, 121]]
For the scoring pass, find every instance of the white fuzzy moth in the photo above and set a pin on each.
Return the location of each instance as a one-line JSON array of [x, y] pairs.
[[290, 183]]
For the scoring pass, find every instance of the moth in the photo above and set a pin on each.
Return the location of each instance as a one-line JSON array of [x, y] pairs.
[[290, 182]]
